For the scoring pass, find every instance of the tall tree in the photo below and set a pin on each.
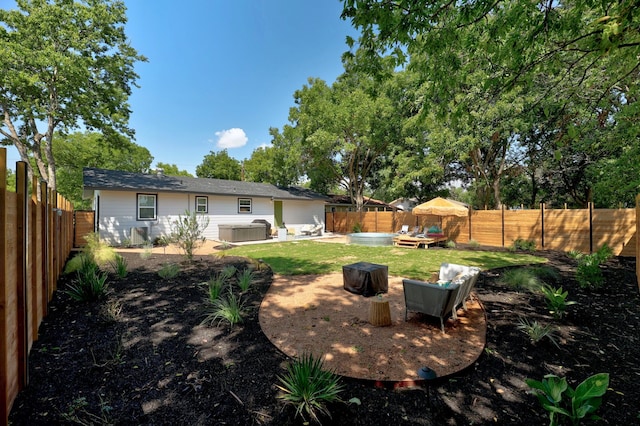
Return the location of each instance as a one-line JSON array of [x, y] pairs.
[[75, 151], [219, 166], [344, 131], [565, 41], [260, 166], [63, 65], [172, 170]]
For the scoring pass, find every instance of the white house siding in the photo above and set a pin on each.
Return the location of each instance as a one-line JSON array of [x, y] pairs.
[[223, 210], [295, 213], [116, 213]]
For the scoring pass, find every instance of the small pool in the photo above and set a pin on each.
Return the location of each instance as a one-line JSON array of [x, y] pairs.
[[371, 239]]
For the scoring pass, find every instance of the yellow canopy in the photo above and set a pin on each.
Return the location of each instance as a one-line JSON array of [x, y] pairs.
[[442, 207]]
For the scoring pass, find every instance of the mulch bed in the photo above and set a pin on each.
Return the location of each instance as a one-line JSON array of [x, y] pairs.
[[155, 364]]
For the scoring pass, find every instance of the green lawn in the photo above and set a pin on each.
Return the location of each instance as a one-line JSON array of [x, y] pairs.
[[315, 257]]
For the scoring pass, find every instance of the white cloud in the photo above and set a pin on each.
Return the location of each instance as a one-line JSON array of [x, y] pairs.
[[231, 138]]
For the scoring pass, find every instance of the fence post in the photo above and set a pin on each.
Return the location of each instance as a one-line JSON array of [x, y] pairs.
[[638, 240], [22, 280], [4, 391], [542, 224], [502, 220], [590, 206]]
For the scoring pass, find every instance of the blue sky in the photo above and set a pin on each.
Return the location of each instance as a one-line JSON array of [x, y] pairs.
[[221, 73]]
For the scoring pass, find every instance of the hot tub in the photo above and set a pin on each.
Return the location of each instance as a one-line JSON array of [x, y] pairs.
[[371, 238], [238, 232]]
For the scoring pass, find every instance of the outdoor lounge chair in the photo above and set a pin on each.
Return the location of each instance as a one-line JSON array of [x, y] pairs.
[[403, 230], [429, 298], [465, 276]]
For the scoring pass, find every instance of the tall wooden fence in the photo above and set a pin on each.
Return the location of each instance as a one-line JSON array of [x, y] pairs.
[[35, 241], [585, 230]]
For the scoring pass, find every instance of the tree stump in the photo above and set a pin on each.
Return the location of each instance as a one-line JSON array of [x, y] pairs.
[[379, 312]]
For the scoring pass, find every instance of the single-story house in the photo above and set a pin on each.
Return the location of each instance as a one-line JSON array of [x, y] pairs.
[[130, 205]]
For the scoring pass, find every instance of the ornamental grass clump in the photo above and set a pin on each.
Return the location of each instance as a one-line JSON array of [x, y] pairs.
[[119, 265], [215, 285], [245, 279], [537, 331], [521, 279], [225, 309], [169, 270], [90, 284], [309, 388]]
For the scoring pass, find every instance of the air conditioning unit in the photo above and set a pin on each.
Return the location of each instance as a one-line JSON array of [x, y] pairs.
[[139, 235]]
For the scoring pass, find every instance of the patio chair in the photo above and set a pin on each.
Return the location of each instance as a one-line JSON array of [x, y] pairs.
[[465, 276], [429, 298], [403, 230]]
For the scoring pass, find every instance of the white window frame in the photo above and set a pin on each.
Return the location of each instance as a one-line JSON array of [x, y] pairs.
[[245, 205], [205, 205], [139, 206]]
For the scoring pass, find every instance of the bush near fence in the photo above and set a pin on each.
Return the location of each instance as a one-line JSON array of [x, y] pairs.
[[555, 229], [35, 242]]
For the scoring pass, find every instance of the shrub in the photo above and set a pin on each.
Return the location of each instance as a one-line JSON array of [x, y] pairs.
[[119, 265], [556, 300], [188, 232], [356, 228], [575, 254], [473, 243], [309, 388], [523, 245], [603, 254], [580, 402], [537, 331], [91, 283], [588, 273], [521, 279], [451, 244], [169, 270], [229, 309]]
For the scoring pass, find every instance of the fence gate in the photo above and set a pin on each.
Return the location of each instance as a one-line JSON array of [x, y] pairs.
[[83, 225]]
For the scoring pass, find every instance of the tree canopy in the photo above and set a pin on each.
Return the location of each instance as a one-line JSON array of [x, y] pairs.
[[77, 150], [219, 166], [172, 170], [63, 65]]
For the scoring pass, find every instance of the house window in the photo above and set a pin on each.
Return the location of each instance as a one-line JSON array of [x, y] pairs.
[[244, 205], [147, 206], [202, 205]]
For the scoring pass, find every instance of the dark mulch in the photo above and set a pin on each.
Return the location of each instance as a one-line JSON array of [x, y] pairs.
[[155, 364]]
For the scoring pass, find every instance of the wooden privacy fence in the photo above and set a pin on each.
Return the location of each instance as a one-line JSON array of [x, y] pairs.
[[584, 230], [35, 241]]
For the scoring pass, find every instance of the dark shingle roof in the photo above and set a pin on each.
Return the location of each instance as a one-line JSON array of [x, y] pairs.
[[95, 179]]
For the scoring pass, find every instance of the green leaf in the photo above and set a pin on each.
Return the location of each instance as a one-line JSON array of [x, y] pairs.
[[593, 386]]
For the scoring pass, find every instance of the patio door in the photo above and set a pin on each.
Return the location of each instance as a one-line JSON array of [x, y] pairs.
[[277, 213]]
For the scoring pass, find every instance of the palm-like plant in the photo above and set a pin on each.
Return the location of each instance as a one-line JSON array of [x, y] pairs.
[[537, 331], [309, 388]]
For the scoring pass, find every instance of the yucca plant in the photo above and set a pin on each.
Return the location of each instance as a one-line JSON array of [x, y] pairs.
[[229, 309], [556, 300], [309, 387], [245, 279], [537, 331], [119, 265], [169, 270]]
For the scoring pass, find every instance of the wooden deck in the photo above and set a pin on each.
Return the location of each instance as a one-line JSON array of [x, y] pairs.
[[416, 242]]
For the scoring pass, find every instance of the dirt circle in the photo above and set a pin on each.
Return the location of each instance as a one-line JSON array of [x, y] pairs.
[[314, 314]]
